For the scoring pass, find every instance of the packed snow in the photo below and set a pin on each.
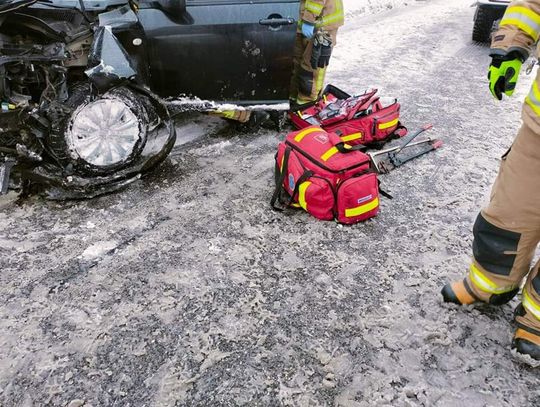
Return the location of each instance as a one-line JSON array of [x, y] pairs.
[[186, 289]]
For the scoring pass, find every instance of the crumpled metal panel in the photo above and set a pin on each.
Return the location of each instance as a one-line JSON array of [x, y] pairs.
[[118, 18], [108, 60]]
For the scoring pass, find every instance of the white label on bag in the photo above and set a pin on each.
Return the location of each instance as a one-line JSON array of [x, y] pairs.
[[365, 199]]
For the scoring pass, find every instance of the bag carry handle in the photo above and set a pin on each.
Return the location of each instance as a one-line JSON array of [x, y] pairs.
[[342, 147], [303, 178], [280, 177], [363, 105]]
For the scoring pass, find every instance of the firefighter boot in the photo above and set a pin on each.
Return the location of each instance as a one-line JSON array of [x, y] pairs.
[[256, 119], [460, 292], [527, 316], [526, 340]]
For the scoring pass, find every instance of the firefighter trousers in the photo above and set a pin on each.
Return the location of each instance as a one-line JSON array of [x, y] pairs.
[[307, 83], [507, 232]]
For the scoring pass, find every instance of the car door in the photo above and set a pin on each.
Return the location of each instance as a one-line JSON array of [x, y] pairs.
[[237, 51]]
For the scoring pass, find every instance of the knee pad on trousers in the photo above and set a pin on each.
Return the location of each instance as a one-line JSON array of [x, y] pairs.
[[494, 248]]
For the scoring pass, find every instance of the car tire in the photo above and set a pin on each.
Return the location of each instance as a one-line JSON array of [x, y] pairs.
[[101, 134], [483, 24]]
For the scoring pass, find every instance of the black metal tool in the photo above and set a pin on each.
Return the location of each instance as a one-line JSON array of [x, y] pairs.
[[386, 160]]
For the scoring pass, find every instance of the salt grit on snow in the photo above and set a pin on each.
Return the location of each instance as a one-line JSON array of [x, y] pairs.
[[212, 299]]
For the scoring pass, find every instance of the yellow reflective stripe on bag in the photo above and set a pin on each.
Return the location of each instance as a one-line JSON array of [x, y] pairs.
[[300, 136], [302, 194], [329, 154], [360, 210], [387, 125], [313, 7], [523, 18], [533, 98], [352, 137], [332, 152], [485, 284], [530, 305]]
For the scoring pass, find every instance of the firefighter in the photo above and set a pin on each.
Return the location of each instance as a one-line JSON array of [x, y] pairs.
[[313, 48], [507, 231], [315, 38]]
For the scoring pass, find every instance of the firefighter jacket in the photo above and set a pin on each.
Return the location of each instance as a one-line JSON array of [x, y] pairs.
[[323, 13], [518, 31]]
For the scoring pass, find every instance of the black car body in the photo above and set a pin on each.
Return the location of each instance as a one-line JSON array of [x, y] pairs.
[[85, 85]]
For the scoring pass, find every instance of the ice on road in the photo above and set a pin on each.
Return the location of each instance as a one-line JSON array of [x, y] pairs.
[[186, 289]]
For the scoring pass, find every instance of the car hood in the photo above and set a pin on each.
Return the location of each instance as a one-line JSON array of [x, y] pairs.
[[90, 5], [9, 5]]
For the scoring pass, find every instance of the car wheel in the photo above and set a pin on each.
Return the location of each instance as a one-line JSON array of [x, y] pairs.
[[483, 24], [102, 134]]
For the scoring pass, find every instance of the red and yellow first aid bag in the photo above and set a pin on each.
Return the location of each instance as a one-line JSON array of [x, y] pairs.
[[330, 179]]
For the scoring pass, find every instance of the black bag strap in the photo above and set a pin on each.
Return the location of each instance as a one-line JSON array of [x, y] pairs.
[[383, 192], [341, 146], [303, 178], [345, 148], [280, 177], [400, 129]]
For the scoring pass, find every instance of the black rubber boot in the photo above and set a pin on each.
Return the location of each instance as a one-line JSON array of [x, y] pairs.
[[501, 299], [519, 311], [526, 347], [449, 295], [459, 293], [256, 120]]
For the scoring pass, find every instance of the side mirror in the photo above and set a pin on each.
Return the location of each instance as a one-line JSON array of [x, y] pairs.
[[174, 8]]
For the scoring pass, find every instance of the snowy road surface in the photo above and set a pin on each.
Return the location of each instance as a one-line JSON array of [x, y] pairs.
[[185, 289]]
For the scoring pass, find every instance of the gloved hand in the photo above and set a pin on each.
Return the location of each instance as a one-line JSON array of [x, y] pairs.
[[322, 50], [503, 74], [308, 30]]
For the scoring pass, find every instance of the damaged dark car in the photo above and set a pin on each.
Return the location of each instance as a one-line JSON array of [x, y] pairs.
[[87, 86]]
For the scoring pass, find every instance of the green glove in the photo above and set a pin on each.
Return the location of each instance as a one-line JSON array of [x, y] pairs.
[[503, 74]]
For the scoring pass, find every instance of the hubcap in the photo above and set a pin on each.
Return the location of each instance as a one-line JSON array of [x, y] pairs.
[[104, 132]]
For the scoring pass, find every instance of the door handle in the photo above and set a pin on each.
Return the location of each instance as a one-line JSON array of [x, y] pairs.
[[276, 22]]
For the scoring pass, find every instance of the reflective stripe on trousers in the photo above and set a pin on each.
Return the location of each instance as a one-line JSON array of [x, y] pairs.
[[483, 283]]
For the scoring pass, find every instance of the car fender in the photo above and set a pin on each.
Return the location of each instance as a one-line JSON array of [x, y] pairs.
[[118, 50]]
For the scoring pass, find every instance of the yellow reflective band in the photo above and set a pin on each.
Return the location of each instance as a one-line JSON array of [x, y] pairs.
[[302, 194], [333, 151], [313, 7], [351, 137], [300, 136], [360, 210], [533, 99], [329, 154], [321, 73], [228, 114], [522, 26], [530, 304], [485, 284], [337, 16], [523, 11], [282, 161], [532, 105], [387, 125], [523, 18]]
